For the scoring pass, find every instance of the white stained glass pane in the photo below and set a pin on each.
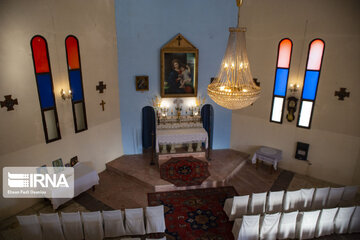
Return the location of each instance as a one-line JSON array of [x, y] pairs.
[[50, 121], [80, 116], [305, 113], [277, 109]]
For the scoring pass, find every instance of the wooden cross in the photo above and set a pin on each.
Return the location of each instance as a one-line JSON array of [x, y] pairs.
[[9, 103], [101, 87], [179, 38], [342, 94], [103, 105]]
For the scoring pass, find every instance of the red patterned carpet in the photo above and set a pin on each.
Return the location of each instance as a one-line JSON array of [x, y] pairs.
[[195, 214], [184, 171]]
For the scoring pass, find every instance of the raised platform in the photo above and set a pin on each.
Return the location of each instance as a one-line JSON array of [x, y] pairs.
[[223, 166]]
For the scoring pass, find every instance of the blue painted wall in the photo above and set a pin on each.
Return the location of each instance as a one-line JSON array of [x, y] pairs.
[[143, 27]]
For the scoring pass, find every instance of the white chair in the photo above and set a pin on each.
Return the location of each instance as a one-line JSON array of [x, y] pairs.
[[236, 207], [348, 196], [72, 226], [287, 225], [325, 225], [30, 227], [275, 201], [51, 226], [354, 226], [342, 219], [291, 200], [257, 203], [155, 219], [306, 224], [93, 225], [113, 223], [246, 227], [269, 226], [320, 197], [334, 197], [134, 221], [307, 195]]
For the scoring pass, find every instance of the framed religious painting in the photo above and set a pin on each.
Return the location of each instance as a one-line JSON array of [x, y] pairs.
[[179, 68]]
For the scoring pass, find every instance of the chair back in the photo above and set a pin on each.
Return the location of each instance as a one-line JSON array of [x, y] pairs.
[[155, 219], [72, 226], [51, 226], [30, 227], [342, 219], [287, 225], [275, 201], [291, 200], [269, 226], [306, 225], [134, 221], [93, 225], [307, 195], [240, 206], [249, 227], [334, 197], [113, 223], [320, 197], [348, 196], [257, 203], [325, 225], [354, 226]]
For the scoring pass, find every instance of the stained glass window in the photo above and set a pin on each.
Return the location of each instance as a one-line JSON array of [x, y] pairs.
[[45, 88], [75, 82], [281, 80], [311, 82]]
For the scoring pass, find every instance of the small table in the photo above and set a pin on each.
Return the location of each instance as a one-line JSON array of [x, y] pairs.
[[267, 154]]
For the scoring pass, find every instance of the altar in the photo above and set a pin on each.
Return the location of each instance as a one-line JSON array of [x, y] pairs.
[[175, 136]]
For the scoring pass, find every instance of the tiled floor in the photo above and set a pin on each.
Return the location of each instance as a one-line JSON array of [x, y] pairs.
[[119, 192]]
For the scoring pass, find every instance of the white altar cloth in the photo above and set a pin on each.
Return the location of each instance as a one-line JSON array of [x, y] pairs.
[[179, 136]]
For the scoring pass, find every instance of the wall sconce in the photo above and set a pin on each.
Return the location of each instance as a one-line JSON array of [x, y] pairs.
[[294, 87], [65, 95]]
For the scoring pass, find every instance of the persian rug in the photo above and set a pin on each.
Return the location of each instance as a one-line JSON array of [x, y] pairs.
[[195, 214], [184, 171]]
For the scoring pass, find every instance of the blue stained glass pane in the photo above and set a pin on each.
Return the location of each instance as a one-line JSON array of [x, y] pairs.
[[45, 90], [76, 85], [310, 84], [281, 81]]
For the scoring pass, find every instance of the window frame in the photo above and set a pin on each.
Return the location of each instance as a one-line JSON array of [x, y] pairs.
[[82, 86], [317, 85], [43, 110], [287, 82]]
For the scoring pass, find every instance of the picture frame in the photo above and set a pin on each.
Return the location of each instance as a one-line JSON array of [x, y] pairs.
[[142, 83], [179, 68], [74, 161], [58, 163]]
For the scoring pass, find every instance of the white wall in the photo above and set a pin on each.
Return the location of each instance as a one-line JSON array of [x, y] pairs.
[[334, 136], [22, 141]]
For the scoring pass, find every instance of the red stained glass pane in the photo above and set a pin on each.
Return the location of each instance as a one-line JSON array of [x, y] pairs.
[[315, 55], [72, 53], [284, 53], [39, 49]]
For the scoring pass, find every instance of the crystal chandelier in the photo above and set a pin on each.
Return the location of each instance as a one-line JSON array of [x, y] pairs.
[[234, 87]]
